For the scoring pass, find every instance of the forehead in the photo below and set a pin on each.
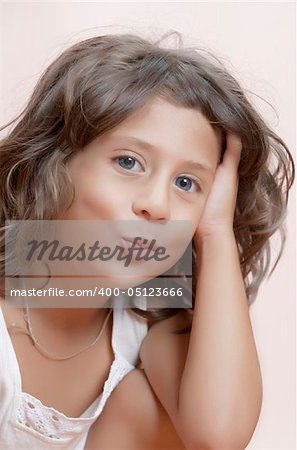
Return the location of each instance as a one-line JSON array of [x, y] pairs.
[[168, 127]]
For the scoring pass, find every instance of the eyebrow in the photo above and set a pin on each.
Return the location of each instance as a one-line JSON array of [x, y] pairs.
[[147, 146]]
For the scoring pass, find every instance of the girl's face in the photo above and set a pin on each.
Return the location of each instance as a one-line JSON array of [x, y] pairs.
[[156, 167]]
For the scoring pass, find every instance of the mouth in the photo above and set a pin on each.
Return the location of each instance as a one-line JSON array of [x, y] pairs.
[[139, 243]]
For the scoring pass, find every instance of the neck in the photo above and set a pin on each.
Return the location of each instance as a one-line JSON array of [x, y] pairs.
[[66, 313], [70, 320]]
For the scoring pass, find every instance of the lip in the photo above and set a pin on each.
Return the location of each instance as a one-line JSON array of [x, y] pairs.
[[140, 243]]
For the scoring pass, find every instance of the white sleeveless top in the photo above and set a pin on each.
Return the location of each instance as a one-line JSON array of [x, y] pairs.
[[25, 423]]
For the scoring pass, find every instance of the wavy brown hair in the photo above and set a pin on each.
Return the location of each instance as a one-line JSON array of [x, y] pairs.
[[95, 85]]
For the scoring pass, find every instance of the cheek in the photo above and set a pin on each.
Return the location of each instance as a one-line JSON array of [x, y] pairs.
[[97, 203], [96, 198]]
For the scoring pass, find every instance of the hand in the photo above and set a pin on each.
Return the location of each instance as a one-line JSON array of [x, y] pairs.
[[218, 213]]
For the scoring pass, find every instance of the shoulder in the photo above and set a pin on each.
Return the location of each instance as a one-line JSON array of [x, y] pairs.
[[178, 320], [165, 329], [163, 355], [134, 418], [154, 427]]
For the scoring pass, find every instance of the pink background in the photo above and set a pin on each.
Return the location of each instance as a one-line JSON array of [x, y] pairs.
[[257, 42]]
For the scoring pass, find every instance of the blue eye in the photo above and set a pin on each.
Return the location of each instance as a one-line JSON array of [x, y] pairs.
[[187, 183], [127, 162]]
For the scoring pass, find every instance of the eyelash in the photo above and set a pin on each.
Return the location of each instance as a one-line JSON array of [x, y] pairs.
[[127, 155]]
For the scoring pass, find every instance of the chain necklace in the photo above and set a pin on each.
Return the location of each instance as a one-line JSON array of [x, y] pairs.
[[42, 349]]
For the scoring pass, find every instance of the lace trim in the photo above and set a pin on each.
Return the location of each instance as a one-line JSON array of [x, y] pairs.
[[49, 422]]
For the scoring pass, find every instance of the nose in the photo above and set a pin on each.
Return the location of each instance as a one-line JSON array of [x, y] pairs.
[[152, 204]]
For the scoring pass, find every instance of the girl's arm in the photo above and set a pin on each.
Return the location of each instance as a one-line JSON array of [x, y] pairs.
[[214, 397], [220, 393]]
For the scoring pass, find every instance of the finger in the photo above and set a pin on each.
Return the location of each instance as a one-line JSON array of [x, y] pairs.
[[233, 150]]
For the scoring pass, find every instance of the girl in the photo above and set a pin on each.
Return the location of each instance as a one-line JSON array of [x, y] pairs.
[[119, 128]]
